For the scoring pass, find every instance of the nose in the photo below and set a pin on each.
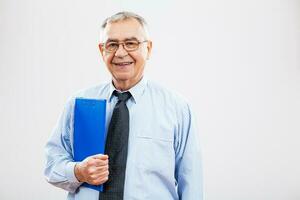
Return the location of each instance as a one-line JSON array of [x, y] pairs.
[[121, 52]]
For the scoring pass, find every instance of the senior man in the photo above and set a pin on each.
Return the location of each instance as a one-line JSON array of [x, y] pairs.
[[152, 128]]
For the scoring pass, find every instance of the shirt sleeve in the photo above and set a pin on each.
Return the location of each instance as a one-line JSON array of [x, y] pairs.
[[59, 169], [188, 172]]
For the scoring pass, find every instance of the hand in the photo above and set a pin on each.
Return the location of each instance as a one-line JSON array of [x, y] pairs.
[[93, 169]]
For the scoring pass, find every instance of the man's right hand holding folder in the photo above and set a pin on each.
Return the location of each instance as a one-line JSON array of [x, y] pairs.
[[93, 169]]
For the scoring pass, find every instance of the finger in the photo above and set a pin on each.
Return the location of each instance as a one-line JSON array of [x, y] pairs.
[[101, 162], [93, 163], [101, 179], [100, 156], [101, 168], [95, 177], [98, 174]]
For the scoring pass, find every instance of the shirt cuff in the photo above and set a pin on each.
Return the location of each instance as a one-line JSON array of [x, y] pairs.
[[70, 172]]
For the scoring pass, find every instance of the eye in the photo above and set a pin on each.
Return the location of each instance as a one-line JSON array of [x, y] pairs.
[[111, 45], [131, 44]]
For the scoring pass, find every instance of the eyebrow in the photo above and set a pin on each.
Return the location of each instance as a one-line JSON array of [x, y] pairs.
[[116, 40]]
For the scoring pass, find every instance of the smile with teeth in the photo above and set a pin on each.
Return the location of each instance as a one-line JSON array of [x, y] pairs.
[[123, 63]]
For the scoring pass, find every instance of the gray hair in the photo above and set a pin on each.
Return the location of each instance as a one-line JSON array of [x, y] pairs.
[[124, 15]]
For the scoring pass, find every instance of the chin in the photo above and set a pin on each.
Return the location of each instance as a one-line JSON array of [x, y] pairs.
[[122, 76]]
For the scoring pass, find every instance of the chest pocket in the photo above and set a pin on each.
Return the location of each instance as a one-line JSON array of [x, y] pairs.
[[154, 152]]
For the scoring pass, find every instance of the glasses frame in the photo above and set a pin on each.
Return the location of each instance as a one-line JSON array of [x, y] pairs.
[[123, 45]]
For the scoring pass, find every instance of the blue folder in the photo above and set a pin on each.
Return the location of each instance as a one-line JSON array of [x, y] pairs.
[[89, 130]]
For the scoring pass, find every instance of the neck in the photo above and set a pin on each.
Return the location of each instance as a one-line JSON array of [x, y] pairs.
[[125, 85]]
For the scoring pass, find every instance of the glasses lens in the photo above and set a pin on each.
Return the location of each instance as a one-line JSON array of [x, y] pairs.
[[111, 46], [131, 45]]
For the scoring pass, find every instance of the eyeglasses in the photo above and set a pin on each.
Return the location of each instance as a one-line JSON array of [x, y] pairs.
[[128, 45]]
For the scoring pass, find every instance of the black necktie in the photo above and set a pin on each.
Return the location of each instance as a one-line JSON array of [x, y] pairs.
[[116, 148]]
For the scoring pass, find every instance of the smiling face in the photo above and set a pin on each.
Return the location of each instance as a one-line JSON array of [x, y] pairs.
[[126, 67]]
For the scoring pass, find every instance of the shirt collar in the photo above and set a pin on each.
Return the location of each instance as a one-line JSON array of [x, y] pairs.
[[136, 91]]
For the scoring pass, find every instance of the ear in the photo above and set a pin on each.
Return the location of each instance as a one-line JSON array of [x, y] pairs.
[[149, 48], [101, 49]]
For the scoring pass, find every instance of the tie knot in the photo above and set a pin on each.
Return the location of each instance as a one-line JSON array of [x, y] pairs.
[[122, 96]]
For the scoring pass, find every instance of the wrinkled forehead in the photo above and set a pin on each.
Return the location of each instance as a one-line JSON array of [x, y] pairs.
[[122, 30]]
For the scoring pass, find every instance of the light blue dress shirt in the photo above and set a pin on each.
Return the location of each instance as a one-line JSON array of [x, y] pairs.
[[163, 160]]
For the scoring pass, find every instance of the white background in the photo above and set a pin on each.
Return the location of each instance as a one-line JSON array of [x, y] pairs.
[[237, 62]]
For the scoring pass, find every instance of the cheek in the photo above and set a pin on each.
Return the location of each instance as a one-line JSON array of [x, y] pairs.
[[144, 56], [139, 57], [107, 58]]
